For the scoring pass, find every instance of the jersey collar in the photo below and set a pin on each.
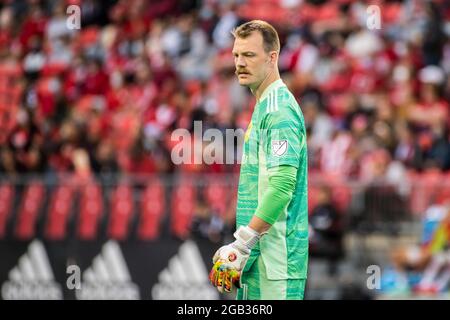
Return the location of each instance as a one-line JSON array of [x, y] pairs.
[[274, 85]]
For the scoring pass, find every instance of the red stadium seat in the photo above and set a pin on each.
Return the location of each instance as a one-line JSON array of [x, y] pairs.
[[31, 203], [391, 12], [183, 206], [216, 195], [121, 212], [91, 208], [6, 202], [59, 213], [152, 209], [328, 12]]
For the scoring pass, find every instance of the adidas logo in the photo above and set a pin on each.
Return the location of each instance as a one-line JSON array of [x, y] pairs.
[[108, 278], [32, 278], [185, 278]]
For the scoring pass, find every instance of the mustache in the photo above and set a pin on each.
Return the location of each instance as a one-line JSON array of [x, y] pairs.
[[238, 72]]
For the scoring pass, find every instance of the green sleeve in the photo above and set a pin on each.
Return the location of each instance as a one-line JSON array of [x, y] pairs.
[[276, 198]]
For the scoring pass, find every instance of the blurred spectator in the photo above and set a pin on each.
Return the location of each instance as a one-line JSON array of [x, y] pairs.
[[207, 224], [433, 36], [437, 272], [104, 159], [317, 121], [326, 230], [434, 241], [228, 20]]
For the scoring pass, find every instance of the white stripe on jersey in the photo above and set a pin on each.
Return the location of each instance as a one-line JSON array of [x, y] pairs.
[[272, 103], [275, 100], [269, 102]]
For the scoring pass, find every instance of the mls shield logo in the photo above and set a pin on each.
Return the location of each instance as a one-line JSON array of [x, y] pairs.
[[279, 147]]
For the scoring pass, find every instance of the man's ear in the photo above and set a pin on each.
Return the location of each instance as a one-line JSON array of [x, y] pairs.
[[273, 56]]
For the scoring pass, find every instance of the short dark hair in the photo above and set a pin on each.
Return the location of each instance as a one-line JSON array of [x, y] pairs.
[[271, 40]]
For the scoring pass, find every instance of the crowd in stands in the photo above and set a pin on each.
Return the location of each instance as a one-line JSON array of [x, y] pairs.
[[105, 98]]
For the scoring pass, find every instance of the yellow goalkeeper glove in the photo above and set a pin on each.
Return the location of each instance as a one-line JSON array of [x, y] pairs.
[[229, 260]]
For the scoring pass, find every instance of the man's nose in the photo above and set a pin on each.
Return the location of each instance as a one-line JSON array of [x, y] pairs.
[[240, 61]]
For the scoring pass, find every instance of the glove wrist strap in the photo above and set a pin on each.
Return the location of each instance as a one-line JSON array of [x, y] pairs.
[[246, 237]]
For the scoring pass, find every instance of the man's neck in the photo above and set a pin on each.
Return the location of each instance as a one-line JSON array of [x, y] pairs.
[[271, 77]]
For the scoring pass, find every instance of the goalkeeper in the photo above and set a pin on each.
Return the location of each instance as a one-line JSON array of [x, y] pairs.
[[268, 260]]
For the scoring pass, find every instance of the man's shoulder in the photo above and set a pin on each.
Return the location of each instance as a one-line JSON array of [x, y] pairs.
[[281, 103], [283, 92], [286, 97], [279, 99]]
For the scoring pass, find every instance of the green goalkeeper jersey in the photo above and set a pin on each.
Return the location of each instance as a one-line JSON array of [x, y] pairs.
[[276, 136]]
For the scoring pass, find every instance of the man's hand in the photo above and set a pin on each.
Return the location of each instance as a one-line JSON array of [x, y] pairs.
[[228, 262], [224, 277], [230, 259]]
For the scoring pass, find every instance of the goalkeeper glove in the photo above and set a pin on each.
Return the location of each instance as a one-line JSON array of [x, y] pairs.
[[229, 260]]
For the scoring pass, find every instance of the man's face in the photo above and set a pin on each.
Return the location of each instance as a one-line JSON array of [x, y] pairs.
[[252, 62]]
